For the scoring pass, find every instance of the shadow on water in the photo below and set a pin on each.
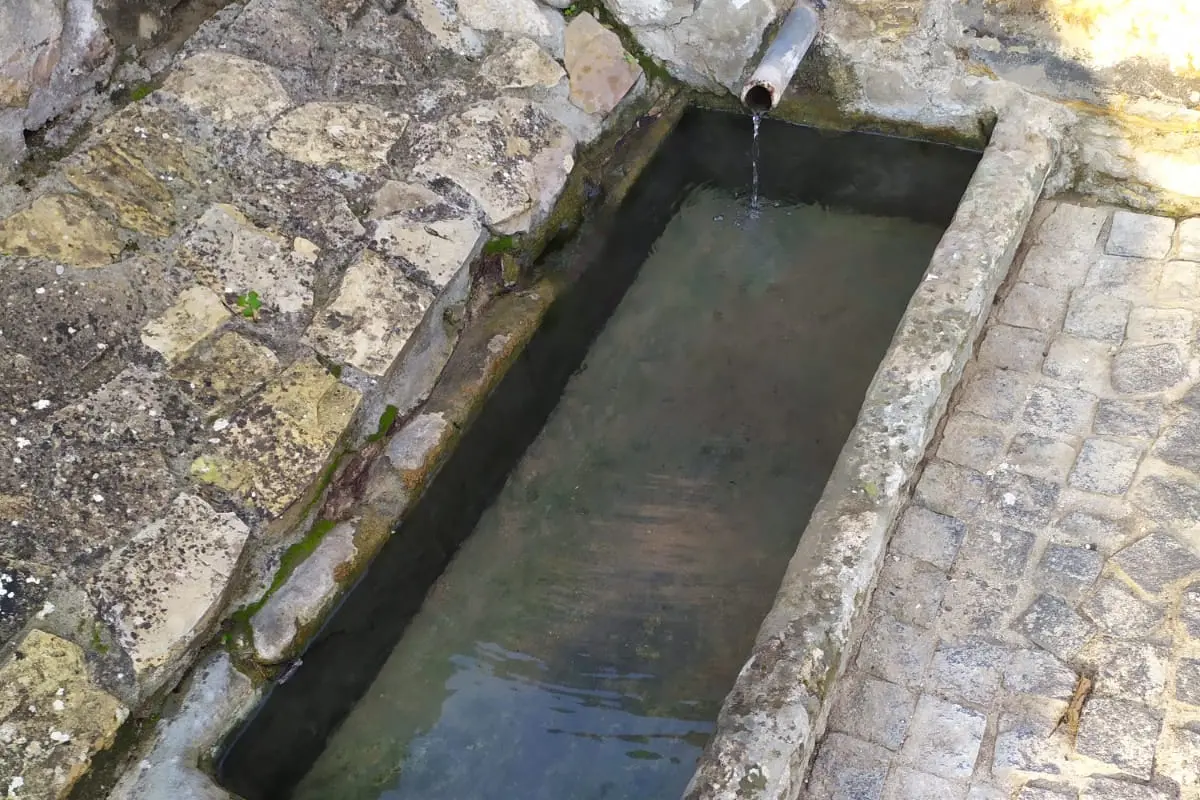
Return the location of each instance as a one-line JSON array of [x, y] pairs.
[[630, 523]]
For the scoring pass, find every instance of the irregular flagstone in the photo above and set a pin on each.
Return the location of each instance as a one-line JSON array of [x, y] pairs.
[[226, 372], [602, 73], [61, 227], [376, 310], [511, 157], [232, 256], [228, 89], [197, 314], [436, 249], [521, 65], [309, 591], [53, 719], [164, 590], [356, 136], [135, 197], [446, 29], [274, 446], [516, 18], [154, 138]]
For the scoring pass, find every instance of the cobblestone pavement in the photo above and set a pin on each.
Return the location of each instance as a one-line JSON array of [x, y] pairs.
[[1051, 553]]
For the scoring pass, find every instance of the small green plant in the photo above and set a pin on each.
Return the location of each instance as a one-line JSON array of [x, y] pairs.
[[140, 92], [571, 10], [249, 303]]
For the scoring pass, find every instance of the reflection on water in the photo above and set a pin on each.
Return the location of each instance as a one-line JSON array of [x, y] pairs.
[[580, 644]]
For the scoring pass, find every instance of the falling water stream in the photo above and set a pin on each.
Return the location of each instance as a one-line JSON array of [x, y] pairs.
[[754, 165]]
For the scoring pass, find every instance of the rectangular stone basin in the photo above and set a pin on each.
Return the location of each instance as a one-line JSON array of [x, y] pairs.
[[564, 612]]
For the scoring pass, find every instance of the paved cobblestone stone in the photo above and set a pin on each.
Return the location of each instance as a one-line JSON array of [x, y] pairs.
[[1055, 522]]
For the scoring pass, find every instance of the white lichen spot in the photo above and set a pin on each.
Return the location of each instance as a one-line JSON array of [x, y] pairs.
[[59, 737], [1009, 499], [41, 405]]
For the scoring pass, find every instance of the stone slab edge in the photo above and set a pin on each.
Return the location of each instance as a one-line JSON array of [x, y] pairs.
[[771, 720]]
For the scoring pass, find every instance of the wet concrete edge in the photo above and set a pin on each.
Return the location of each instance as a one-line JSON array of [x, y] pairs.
[[773, 717]]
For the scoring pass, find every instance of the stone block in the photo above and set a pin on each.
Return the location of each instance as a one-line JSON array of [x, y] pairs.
[[1036, 307], [968, 672], [439, 250], [1140, 235], [1156, 561], [1048, 793], [1068, 571], [1070, 227], [376, 309], [1178, 757], [994, 394], [354, 136], [1055, 267], [944, 738], [1138, 418], [601, 72], [994, 551], [908, 784], [846, 768], [1121, 734], [1189, 610], [218, 377], [1117, 611], [1146, 369], [1097, 316], [951, 490], [522, 64], [63, 228], [55, 718], [873, 710], [1157, 325], [1105, 466], [975, 606], [1080, 363], [516, 18], [1060, 409], [1021, 500], [1187, 681], [909, 590], [896, 651], [1180, 285], [1125, 278], [1102, 788], [1179, 443], [228, 89], [1053, 625], [928, 536], [971, 441], [1127, 670], [1037, 672], [1189, 239], [1168, 500], [194, 317], [1045, 457], [1017, 349], [1092, 530], [1025, 742], [163, 591]]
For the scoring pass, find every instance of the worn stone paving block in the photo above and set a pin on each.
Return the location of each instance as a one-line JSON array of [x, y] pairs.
[[909, 590], [1036, 307], [1048, 793], [1120, 733], [1178, 756], [1168, 500], [1068, 571], [516, 18], [1097, 316], [1140, 418], [1037, 672], [54, 718], [1154, 325], [951, 490], [1060, 409], [1189, 610], [975, 606], [1187, 681], [1081, 363], [1140, 235], [896, 651], [908, 784], [1026, 741], [1088, 529], [1102, 788], [1105, 466], [354, 136], [1052, 624], [217, 377], [601, 72], [376, 310], [61, 227], [873, 710], [1072, 228], [984, 792], [277, 443], [846, 768], [1129, 279], [1179, 443], [995, 394], [1008, 347], [1020, 500], [1045, 457], [996, 551], [1119, 612], [197, 314], [228, 89], [1157, 560], [1189, 239], [928, 536], [1146, 369], [1180, 284], [967, 672], [944, 738], [1128, 670], [520, 65], [438, 249], [1055, 267], [164, 590], [134, 195], [972, 441]]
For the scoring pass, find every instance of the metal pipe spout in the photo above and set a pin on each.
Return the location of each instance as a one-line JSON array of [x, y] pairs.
[[768, 82]]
